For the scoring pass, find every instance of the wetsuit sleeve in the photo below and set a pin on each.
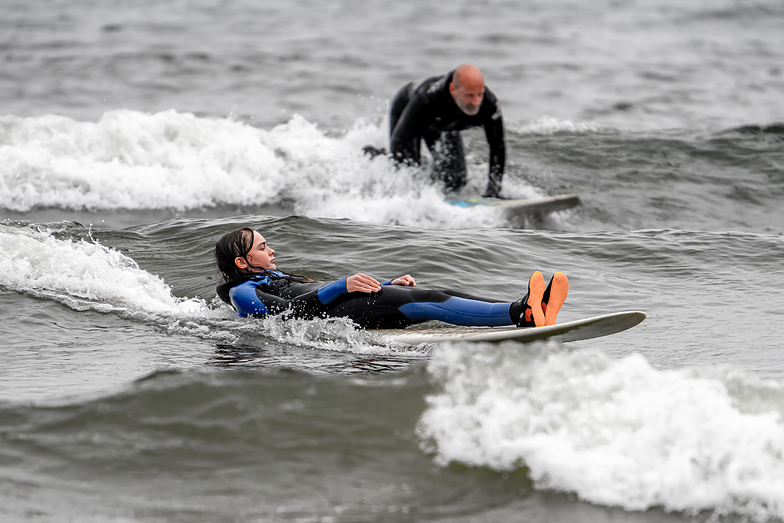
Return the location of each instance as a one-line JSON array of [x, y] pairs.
[[328, 293], [403, 142], [244, 299], [253, 298], [494, 130]]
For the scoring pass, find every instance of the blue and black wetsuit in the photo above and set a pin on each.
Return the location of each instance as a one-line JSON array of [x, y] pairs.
[[394, 306], [425, 110]]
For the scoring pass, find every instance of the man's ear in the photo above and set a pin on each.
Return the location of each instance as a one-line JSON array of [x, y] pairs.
[[241, 262], [452, 89]]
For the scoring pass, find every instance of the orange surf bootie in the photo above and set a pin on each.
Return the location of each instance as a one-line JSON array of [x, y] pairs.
[[532, 314], [554, 296]]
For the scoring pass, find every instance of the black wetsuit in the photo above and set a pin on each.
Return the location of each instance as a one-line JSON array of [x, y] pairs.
[[394, 306], [425, 110]]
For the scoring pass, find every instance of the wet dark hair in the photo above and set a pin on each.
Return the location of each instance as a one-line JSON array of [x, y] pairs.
[[238, 243], [232, 245]]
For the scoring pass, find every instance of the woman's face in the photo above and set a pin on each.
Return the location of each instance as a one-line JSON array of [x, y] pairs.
[[260, 257]]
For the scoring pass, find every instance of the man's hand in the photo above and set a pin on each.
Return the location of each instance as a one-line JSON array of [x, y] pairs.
[[362, 283], [406, 280]]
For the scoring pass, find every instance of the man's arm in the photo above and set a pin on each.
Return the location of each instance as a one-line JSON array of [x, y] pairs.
[[402, 141], [494, 130]]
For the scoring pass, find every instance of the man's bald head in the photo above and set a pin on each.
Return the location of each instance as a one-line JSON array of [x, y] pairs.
[[468, 75], [468, 88]]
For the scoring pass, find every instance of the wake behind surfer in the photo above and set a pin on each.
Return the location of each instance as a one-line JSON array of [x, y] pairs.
[[253, 285], [435, 110]]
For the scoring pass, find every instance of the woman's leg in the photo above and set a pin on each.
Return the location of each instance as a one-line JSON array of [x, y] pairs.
[[397, 306], [554, 297], [460, 311]]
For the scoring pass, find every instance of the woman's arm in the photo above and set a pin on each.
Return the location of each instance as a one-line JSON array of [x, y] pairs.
[[362, 283], [254, 298], [406, 280], [257, 298]]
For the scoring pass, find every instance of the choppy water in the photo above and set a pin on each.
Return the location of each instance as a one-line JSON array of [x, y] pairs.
[[134, 134]]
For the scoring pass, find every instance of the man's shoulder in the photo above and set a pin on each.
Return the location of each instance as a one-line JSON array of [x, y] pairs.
[[429, 89], [490, 96], [491, 108]]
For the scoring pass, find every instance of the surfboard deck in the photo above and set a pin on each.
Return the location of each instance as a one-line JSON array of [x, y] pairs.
[[584, 329], [516, 209]]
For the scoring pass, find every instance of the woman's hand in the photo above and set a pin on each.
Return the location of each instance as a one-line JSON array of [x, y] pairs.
[[362, 283], [404, 280]]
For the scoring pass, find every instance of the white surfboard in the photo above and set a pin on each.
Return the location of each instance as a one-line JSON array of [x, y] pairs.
[[588, 328], [520, 209]]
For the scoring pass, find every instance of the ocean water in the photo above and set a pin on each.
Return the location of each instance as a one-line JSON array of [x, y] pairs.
[[134, 134]]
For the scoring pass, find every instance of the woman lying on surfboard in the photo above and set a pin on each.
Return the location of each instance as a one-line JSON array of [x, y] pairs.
[[254, 286]]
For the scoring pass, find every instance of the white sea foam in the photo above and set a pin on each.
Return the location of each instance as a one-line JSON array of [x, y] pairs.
[[129, 160], [615, 432], [84, 275], [132, 160], [547, 125]]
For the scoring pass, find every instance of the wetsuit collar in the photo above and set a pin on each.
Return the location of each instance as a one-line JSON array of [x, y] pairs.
[[223, 289]]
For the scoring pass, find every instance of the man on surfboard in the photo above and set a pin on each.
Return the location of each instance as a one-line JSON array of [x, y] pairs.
[[435, 110]]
